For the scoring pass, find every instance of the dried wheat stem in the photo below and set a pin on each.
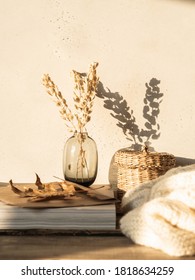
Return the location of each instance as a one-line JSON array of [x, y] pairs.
[[84, 94], [64, 110], [85, 87]]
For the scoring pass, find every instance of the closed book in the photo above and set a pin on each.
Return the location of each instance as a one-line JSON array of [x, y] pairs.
[[88, 213]]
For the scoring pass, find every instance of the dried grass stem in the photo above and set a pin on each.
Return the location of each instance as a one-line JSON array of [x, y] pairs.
[[85, 86]]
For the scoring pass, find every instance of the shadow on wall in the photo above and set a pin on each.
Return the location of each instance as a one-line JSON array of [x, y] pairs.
[[181, 161], [124, 115]]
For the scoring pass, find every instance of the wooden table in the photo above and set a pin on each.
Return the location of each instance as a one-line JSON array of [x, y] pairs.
[[75, 246]]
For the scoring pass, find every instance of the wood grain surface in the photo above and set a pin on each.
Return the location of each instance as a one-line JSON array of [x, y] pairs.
[[96, 247]]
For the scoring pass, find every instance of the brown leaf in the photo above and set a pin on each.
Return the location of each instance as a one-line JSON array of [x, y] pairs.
[[60, 190], [38, 183], [25, 193], [53, 190]]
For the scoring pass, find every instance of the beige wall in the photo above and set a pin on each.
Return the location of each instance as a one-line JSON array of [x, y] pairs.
[[133, 41]]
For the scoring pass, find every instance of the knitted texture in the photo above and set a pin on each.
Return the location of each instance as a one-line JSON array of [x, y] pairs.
[[161, 213]]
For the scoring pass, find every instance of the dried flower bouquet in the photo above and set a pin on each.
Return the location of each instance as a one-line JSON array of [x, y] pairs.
[[85, 86], [84, 93]]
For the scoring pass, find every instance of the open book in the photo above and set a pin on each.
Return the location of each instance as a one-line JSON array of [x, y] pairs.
[[87, 213]]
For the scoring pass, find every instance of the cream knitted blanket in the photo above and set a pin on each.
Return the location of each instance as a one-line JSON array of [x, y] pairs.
[[161, 213]]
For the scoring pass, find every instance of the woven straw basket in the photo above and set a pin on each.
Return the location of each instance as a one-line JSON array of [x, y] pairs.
[[136, 167]]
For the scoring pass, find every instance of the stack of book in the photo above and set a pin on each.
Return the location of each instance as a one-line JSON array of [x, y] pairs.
[[89, 217]]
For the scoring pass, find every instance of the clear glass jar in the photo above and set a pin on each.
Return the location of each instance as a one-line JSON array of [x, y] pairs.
[[80, 159]]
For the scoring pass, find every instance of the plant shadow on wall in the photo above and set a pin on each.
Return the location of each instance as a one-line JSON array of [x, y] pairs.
[[126, 120], [139, 137]]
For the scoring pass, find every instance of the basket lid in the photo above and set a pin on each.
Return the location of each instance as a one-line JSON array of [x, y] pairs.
[[135, 159]]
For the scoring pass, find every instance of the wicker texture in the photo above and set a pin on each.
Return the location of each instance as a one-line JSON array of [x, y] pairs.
[[136, 167]]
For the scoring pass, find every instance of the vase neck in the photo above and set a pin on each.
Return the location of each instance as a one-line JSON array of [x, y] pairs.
[[82, 135]]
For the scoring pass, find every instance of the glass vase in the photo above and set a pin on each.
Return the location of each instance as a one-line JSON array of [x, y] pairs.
[[80, 159]]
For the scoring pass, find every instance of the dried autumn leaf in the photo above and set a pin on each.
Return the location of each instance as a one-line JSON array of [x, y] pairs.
[[54, 190], [60, 190]]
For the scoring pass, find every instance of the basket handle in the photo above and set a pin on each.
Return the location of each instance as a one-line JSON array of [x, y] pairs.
[[145, 149]]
